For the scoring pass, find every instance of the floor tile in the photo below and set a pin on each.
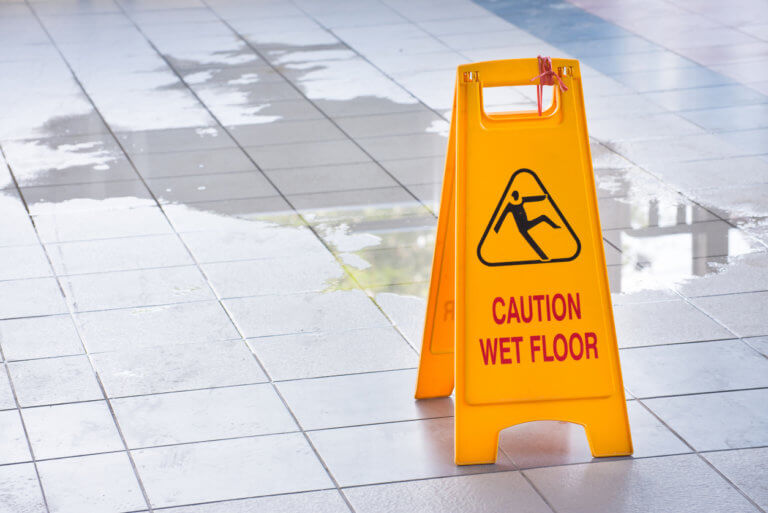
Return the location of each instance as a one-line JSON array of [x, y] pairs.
[[104, 483], [20, 262], [20, 489], [283, 132], [693, 368], [224, 186], [152, 370], [405, 146], [331, 311], [379, 202], [6, 394], [285, 275], [402, 451], [87, 197], [54, 380], [677, 483], [420, 170], [728, 420], [13, 441], [393, 124], [328, 501], [406, 306], [174, 139], [230, 469], [251, 241], [743, 273], [740, 313], [759, 344], [746, 468], [493, 493], [39, 337], [72, 226], [71, 430], [666, 322], [28, 298], [121, 254], [330, 178], [193, 162], [706, 97], [324, 153], [310, 355], [127, 289], [550, 443], [184, 323], [359, 399], [202, 415]]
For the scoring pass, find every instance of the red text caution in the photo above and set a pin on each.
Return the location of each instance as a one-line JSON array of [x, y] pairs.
[[557, 347]]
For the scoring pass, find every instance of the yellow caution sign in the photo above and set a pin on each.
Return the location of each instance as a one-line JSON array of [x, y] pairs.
[[519, 306]]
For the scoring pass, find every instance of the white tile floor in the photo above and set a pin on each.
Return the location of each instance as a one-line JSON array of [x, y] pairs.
[[216, 227]]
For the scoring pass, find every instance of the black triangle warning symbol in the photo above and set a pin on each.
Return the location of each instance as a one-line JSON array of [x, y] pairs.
[[527, 227]]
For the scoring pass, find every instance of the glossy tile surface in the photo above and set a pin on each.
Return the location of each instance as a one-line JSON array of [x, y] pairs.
[[217, 222]]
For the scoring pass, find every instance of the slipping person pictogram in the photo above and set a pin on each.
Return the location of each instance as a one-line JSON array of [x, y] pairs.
[[538, 233], [516, 207]]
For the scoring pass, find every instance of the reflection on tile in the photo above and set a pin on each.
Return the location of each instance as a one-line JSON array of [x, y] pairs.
[[304, 313], [103, 482], [229, 469], [549, 443], [39, 337], [54, 380], [201, 415], [13, 442], [20, 489], [360, 399], [168, 325], [728, 420], [747, 469], [692, 368], [329, 354], [743, 314], [328, 501], [71, 430], [153, 370], [494, 493], [402, 451], [665, 322], [127, 289], [676, 483]]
